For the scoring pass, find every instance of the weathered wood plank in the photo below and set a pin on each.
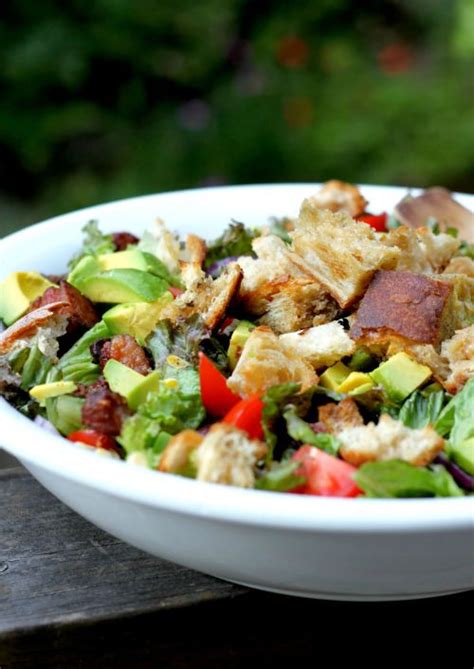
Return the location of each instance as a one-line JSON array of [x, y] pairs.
[[56, 568]]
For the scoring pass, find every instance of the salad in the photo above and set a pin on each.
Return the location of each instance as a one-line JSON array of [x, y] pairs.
[[330, 354]]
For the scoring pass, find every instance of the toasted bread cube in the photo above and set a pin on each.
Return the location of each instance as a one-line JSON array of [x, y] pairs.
[[340, 196], [421, 250], [227, 455], [338, 417], [460, 265], [459, 350], [342, 254], [322, 345], [265, 361], [175, 457], [389, 440], [403, 305]]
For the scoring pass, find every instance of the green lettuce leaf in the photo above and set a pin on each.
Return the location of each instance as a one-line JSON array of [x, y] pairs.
[[144, 435], [395, 478], [456, 421], [95, 243], [64, 413], [301, 431], [420, 410], [77, 364], [236, 241], [281, 477], [274, 402]]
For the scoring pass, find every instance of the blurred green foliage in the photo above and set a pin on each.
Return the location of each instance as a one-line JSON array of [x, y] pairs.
[[112, 98]]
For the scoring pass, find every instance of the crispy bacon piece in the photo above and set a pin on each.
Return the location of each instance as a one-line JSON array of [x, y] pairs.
[[402, 305], [124, 349], [123, 239], [77, 308], [104, 410]]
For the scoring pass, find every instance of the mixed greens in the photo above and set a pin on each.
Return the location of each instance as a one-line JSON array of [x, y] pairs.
[[248, 361]]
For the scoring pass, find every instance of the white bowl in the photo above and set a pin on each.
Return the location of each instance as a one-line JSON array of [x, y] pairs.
[[357, 549]]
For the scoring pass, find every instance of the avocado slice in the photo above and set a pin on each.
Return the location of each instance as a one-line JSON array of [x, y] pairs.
[[134, 387], [136, 318], [130, 259], [117, 286], [463, 455], [356, 383], [18, 291], [400, 375], [334, 376], [86, 267], [238, 340], [46, 390]]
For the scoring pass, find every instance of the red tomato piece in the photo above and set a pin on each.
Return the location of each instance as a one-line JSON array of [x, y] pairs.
[[378, 223], [325, 475], [175, 291], [95, 439], [247, 416], [217, 398]]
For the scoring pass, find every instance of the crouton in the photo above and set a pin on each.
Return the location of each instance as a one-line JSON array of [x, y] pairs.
[[322, 345], [459, 350], [389, 440], [175, 457], [403, 305], [227, 455], [266, 362], [421, 250], [436, 203], [338, 417], [46, 324], [165, 245], [297, 305], [208, 297], [340, 253], [280, 292], [460, 265], [192, 259], [460, 310], [340, 196]]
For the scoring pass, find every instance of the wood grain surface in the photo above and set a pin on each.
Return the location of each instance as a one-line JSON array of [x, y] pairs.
[[73, 596]]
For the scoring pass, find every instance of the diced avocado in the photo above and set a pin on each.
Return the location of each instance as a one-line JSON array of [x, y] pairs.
[[400, 375], [46, 390], [136, 318], [86, 267], [361, 361], [134, 387], [131, 259], [18, 291], [463, 455], [237, 341], [334, 376], [355, 382], [117, 286], [138, 395]]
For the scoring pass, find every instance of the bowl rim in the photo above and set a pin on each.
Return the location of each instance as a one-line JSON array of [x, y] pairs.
[[36, 447]]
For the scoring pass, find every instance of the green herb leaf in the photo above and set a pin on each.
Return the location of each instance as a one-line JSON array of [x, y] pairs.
[[281, 477], [236, 241], [395, 478], [301, 431]]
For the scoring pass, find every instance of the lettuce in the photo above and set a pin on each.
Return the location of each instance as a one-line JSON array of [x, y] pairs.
[[420, 410], [236, 241], [95, 243], [456, 421], [77, 364], [64, 413], [395, 478], [301, 431], [281, 477]]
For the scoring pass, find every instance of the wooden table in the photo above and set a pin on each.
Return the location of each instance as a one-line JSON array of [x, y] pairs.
[[73, 596]]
